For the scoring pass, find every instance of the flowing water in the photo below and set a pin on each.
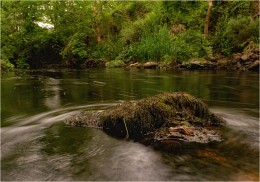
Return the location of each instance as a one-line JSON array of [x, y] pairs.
[[36, 145]]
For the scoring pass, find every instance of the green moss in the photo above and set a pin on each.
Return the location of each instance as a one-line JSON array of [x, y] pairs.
[[135, 120], [147, 115], [115, 64]]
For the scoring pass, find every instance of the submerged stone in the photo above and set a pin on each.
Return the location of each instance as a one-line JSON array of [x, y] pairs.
[[90, 119], [175, 116]]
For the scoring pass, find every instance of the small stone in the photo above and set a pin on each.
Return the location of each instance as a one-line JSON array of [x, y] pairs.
[[245, 57], [237, 56], [181, 129], [150, 65], [135, 65], [254, 66], [255, 56]]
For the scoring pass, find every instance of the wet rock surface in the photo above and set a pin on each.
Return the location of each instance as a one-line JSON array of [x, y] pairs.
[[90, 119], [187, 134], [146, 65], [162, 119]]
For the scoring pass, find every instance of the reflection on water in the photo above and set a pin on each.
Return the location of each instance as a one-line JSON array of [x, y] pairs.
[[36, 145], [31, 92], [241, 122], [51, 86]]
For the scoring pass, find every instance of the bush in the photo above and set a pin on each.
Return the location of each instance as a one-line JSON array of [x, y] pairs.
[[76, 47], [6, 65], [190, 44], [133, 31], [22, 64], [115, 64], [108, 50], [236, 34], [162, 46], [188, 13]]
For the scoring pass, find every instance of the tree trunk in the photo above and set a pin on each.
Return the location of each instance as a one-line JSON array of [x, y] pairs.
[[206, 25], [96, 11], [255, 6], [98, 34]]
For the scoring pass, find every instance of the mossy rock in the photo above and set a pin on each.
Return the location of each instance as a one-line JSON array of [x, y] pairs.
[[151, 118]]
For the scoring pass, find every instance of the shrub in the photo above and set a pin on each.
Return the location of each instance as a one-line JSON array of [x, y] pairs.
[[190, 44], [115, 64], [6, 65], [22, 64], [133, 31], [162, 46], [236, 34], [108, 50], [76, 48]]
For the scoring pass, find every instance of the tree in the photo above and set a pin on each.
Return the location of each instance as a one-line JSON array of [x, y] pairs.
[[121, 31], [206, 26]]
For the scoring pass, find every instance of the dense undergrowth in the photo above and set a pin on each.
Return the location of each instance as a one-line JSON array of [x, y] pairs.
[[121, 32]]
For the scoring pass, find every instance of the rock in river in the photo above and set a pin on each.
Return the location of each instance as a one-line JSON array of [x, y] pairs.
[[176, 116]]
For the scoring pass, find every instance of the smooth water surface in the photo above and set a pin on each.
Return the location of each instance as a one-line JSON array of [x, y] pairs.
[[36, 145]]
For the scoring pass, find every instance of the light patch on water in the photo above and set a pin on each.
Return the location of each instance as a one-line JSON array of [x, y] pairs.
[[26, 129], [240, 121], [80, 83], [150, 82], [126, 95], [98, 83], [52, 87], [23, 120], [133, 162], [53, 101], [229, 87]]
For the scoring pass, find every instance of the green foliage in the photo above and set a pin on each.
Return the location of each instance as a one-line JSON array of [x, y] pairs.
[[138, 9], [5, 65], [152, 46], [133, 31], [115, 64], [237, 34], [107, 50], [162, 46], [189, 13], [122, 30], [191, 44], [24, 43], [76, 47], [22, 64]]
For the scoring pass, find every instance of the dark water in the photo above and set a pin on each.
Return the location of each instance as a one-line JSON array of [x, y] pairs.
[[36, 145]]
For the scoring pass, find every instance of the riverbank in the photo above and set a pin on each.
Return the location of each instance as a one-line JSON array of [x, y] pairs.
[[238, 61], [248, 61]]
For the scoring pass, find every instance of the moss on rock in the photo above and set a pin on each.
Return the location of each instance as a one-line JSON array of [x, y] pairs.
[[149, 117], [163, 110]]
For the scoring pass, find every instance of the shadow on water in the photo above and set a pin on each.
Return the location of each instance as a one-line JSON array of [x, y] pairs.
[[36, 145]]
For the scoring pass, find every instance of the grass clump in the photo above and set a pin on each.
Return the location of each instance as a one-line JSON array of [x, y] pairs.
[[115, 64]]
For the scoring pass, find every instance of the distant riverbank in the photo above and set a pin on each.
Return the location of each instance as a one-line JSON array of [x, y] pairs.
[[238, 61]]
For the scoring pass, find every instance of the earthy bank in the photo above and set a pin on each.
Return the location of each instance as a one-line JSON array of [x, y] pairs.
[[248, 60]]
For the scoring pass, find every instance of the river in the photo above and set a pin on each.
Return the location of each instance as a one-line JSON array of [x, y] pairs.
[[36, 145]]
